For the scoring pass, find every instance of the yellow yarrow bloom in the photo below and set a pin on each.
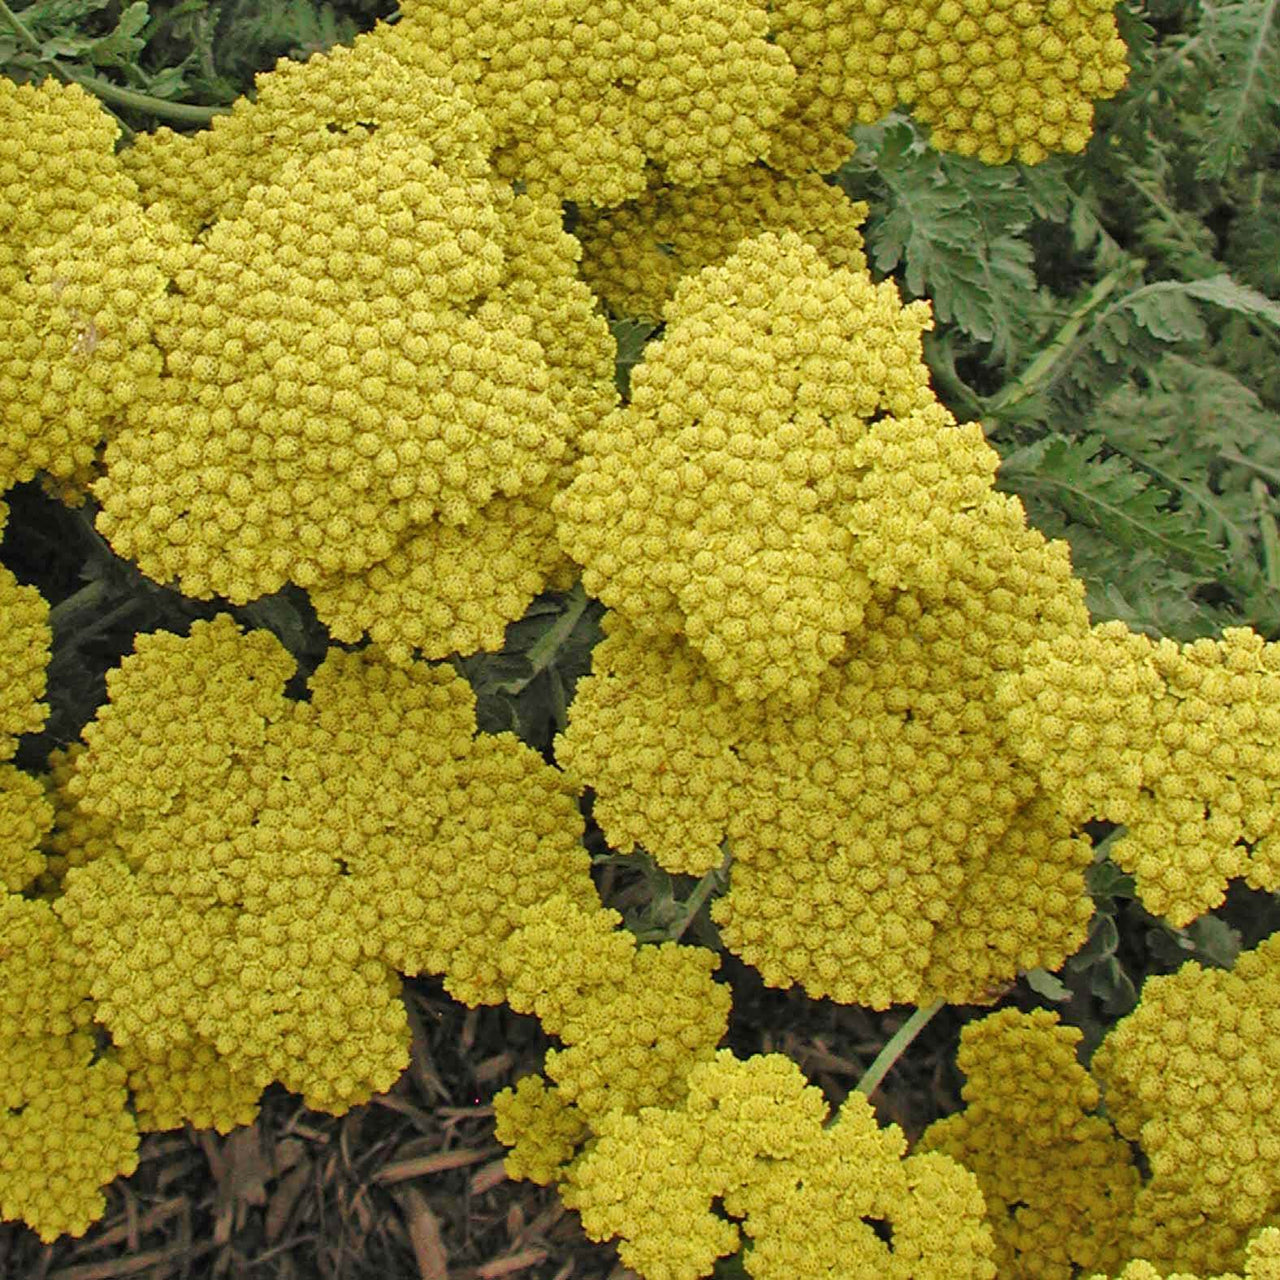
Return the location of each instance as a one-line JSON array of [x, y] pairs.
[[633, 1021], [635, 255], [658, 741], [25, 812], [1178, 742], [332, 101], [886, 847], [26, 817], [276, 863], [65, 1131], [1193, 1076], [57, 161], [189, 1083], [713, 504], [328, 393], [992, 80], [24, 655], [370, 340], [541, 1129], [77, 280], [79, 345], [1261, 1262], [816, 590], [583, 94], [64, 1127], [1003, 81], [451, 588], [1058, 1183], [807, 1197], [77, 837]]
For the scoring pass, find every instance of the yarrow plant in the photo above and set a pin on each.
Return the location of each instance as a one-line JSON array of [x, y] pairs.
[[537, 349]]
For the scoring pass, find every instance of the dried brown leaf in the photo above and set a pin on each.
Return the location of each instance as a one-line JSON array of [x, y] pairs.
[[424, 1233]]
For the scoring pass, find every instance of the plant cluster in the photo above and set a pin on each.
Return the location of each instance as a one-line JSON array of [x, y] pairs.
[[527, 345]]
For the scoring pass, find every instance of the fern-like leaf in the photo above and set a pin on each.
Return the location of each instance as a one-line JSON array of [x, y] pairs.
[[1241, 108], [1136, 328], [1106, 492], [253, 34], [1253, 246], [956, 228], [1200, 433]]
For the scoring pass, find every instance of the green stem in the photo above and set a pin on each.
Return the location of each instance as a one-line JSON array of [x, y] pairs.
[[86, 600], [543, 651], [896, 1047], [181, 112], [20, 29], [69, 614], [1062, 349], [114, 94], [1230, 455], [1270, 534], [693, 903]]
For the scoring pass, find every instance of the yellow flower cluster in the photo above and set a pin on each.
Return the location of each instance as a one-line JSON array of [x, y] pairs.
[[375, 358], [886, 848], [25, 817], [810, 1198], [299, 110], [659, 741], [24, 654], [64, 1130], [1003, 78], [633, 1020], [322, 399], [541, 1130], [993, 78], [78, 279], [25, 813], [816, 590], [57, 162], [712, 505], [1179, 742], [1193, 1076], [44, 989], [583, 94], [78, 350], [189, 1083], [77, 837], [321, 330], [1058, 1183], [276, 863], [451, 588], [1261, 1262], [634, 255]]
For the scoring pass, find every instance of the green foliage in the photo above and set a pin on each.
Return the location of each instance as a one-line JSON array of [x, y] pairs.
[[1126, 944], [660, 907], [1242, 38], [632, 336], [97, 33], [160, 61], [1254, 231], [956, 228], [526, 688], [1101, 489], [251, 34]]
